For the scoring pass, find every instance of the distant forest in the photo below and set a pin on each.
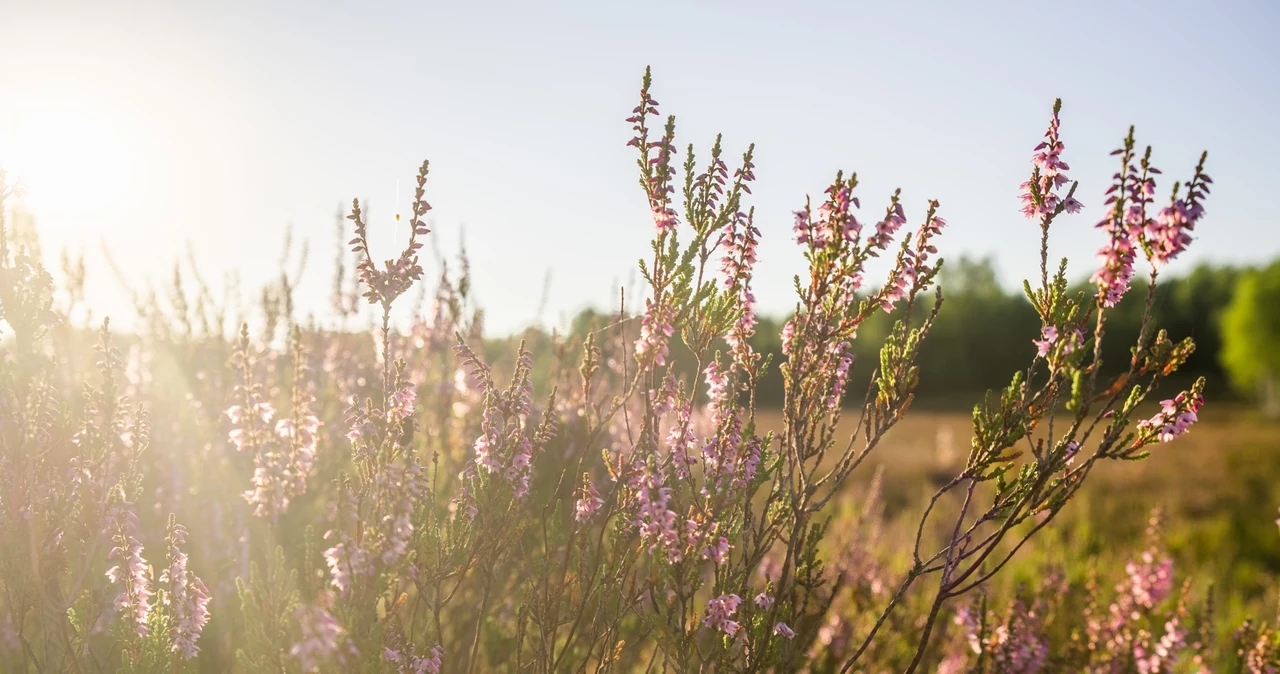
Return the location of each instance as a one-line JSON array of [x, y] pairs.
[[984, 333]]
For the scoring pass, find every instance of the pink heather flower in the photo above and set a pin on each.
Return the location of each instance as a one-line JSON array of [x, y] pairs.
[[722, 455], [1150, 581], [324, 639], [719, 612], [504, 446], [893, 220], [750, 462], [763, 600], [399, 528], [1048, 175], [409, 663], [664, 399], [1049, 336], [188, 598], [655, 331], [803, 227], [655, 522], [238, 437], [1073, 448], [717, 389], [913, 261], [844, 354], [788, 336], [271, 482], [1168, 234], [345, 560], [1163, 656], [518, 472], [1052, 338], [718, 553], [1125, 219], [132, 574], [1017, 645], [783, 630], [1117, 258], [590, 502], [490, 430], [656, 170], [681, 440], [737, 265], [1175, 417], [301, 436]]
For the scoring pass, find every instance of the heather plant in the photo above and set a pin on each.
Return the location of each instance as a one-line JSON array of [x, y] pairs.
[[369, 496]]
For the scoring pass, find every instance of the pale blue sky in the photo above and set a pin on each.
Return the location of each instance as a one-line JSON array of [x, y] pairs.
[[242, 117]]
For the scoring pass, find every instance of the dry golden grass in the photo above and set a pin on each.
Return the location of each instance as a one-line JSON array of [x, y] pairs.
[[1192, 473]]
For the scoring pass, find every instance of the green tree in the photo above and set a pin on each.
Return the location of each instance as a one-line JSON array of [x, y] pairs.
[[1251, 337]]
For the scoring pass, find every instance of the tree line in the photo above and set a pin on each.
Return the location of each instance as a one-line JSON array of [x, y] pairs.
[[984, 331]]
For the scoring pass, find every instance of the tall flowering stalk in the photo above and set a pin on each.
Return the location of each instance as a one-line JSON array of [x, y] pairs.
[[284, 453], [187, 599], [132, 573]]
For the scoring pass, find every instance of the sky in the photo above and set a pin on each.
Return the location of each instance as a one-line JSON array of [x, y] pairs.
[[154, 126]]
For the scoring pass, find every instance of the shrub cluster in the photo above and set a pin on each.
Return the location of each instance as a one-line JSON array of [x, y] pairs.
[[388, 501]]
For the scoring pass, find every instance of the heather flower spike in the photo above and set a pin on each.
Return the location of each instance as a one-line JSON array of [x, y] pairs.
[[132, 573], [1041, 198], [187, 600]]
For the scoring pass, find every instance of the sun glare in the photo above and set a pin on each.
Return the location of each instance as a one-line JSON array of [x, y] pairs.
[[76, 167]]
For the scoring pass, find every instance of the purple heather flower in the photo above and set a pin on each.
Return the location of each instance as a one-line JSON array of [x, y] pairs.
[[719, 612], [188, 598], [681, 440], [1167, 235], [893, 220], [324, 639], [411, 663], [844, 362], [1150, 580], [737, 265], [763, 600], [655, 331], [718, 553], [132, 573], [345, 560], [590, 502], [913, 261], [1117, 257], [1049, 336], [1176, 417], [717, 389], [783, 630], [1048, 176], [1073, 448], [655, 522]]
